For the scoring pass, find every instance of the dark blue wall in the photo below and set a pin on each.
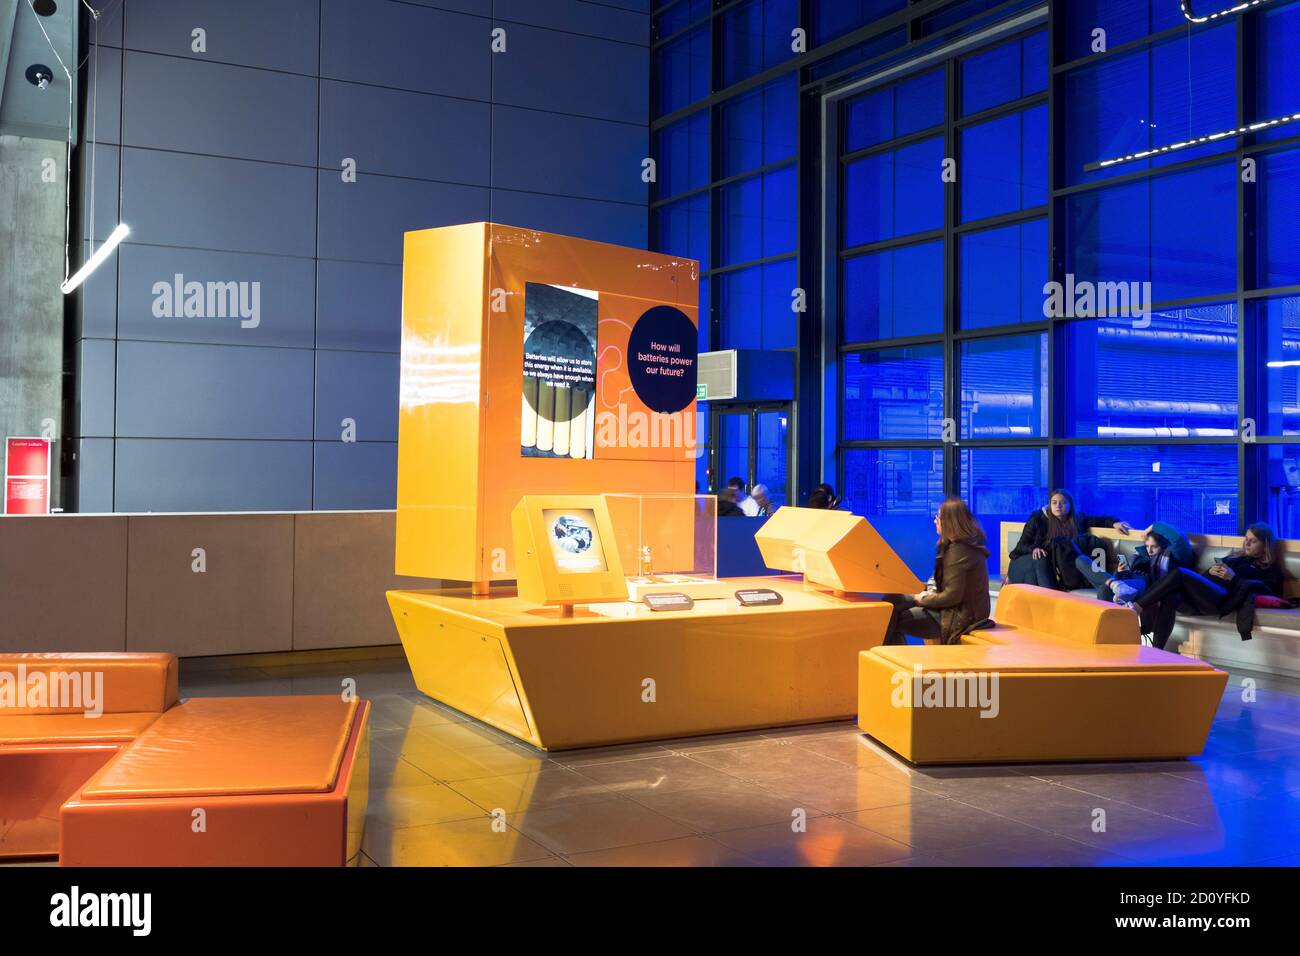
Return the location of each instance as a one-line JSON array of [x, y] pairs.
[[226, 165]]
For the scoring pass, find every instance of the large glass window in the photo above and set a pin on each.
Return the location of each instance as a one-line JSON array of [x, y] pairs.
[[1005, 73], [1004, 387], [834, 18], [758, 217], [755, 306], [894, 193], [1001, 274], [756, 36], [683, 228], [683, 155], [894, 394], [759, 128], [1278, 198], [899, 491], [1002, 484], [1004, 164], [881, 115], [894, 293], [1276, 365], [1193, 487], [683, 71]]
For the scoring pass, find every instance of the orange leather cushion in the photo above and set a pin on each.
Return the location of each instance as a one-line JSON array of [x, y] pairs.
[[1025, 658], [1072, 617], [125, 683], [73, 728], [232, 745]]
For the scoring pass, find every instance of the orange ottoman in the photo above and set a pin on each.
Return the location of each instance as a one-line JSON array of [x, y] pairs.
[[238, 781], [50, 746]]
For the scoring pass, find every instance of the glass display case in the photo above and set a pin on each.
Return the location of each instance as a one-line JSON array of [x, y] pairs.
[[668, 543]]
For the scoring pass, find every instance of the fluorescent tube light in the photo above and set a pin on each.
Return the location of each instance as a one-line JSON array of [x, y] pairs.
[[97, 259]]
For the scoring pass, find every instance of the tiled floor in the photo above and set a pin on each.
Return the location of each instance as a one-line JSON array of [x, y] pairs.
[[446, 790]]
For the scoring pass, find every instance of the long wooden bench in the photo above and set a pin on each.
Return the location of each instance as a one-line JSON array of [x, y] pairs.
[[1062, 677], [102, 764], [1275, 647]]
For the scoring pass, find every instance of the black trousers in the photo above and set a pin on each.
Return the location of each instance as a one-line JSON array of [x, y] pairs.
[[908, 617], [1203, 595]]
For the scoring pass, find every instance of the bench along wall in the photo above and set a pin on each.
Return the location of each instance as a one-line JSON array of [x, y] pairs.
[[198, 585]]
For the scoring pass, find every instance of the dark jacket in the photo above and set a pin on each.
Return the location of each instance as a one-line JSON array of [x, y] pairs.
[[1147, 568], [1249, 578], [1061, 551], [961, 589]]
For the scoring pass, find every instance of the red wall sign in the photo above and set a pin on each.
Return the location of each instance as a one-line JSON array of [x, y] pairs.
[[27, 476]]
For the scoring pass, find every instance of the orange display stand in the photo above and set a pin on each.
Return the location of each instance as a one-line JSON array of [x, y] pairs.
[[487, 415]]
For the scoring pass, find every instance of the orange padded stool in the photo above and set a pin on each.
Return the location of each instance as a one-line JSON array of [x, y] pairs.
[[242, 781], [49, 747]]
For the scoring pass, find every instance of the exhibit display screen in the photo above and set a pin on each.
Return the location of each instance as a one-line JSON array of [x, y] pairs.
[[575, 541], [559, 373]]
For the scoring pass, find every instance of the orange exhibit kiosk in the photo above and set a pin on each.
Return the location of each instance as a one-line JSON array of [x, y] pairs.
[[554, 378]]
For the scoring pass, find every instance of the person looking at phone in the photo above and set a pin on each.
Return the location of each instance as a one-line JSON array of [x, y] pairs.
[[1232, 584]]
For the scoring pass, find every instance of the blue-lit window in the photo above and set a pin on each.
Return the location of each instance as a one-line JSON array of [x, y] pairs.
[[894, 394], [1278, 201], [1277, 476], [683, 228], [1277, 365], [859, 54], [706, 316], [1151, 97], [759, 128], [1277, 51], [899, 491], [702, 485], [683, 155], [1177, 231], [1192, 487], [1004, 164], [1004, 73], [894, 193], [755, 307], [881, 115], [1001, 274], [683, 71], [1173, 372], [679, 16], [1123, 21], [894, 293], [1004, 387], [758, 217], [954, 14], [834, 18], [756, 36], [1002, 484], [772, 454]]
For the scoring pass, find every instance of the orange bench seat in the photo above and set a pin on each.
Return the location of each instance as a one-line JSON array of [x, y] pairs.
[[245, 781]]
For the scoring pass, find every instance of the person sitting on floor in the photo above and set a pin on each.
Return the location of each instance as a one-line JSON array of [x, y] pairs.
[[1045, 554], [1238, 578], [960, 599]]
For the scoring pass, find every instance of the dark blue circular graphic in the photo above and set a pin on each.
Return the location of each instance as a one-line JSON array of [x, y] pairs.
[[663, 358]]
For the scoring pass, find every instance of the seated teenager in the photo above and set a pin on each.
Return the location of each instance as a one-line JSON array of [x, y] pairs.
[[960, 599], [1045, 554], [1132, 584], [1153, 562], [1232, 585]]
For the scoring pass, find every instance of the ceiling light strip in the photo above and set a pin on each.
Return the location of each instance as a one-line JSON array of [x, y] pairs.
[[1189, 143], [1191, 17]]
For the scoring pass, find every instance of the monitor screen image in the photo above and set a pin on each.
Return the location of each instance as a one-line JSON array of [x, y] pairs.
[[575, 540]]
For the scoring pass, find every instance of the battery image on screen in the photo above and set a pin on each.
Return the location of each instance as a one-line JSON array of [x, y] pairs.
[[575, 542], [559, 371]]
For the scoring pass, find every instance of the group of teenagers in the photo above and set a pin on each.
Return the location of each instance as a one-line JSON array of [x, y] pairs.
[[1057, 550]]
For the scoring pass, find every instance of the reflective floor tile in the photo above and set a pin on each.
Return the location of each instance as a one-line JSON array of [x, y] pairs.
[[844, 790], [658, 774], [771, 758], [596, 826], [687, 851], [415, 806], [517, 792], [932, 824], [448, 764], [708, 811], [828, 841], [458, 843]]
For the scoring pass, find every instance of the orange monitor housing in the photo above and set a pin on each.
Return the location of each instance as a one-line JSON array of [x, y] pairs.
[[566, 552], [601, 401]]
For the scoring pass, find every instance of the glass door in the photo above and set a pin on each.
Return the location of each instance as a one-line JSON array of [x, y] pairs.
[[752, 443]]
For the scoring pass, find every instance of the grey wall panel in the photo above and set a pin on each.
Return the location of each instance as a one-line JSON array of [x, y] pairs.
[[361, 386], [481, 8], [63, 583], [640, 6], [359, 475], [174, 199], [219, 110], [271, 302], [564, 73], [359, 306], [106, 173], [550, 153], [417, 135], [96, 308], [619, 223], [182, 475], [241, 603], [103, 99], [279, 35], [213, 391], [577, 16], [406, 47], [110, 22], [365, 220], [94, 475], [96, 373]]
